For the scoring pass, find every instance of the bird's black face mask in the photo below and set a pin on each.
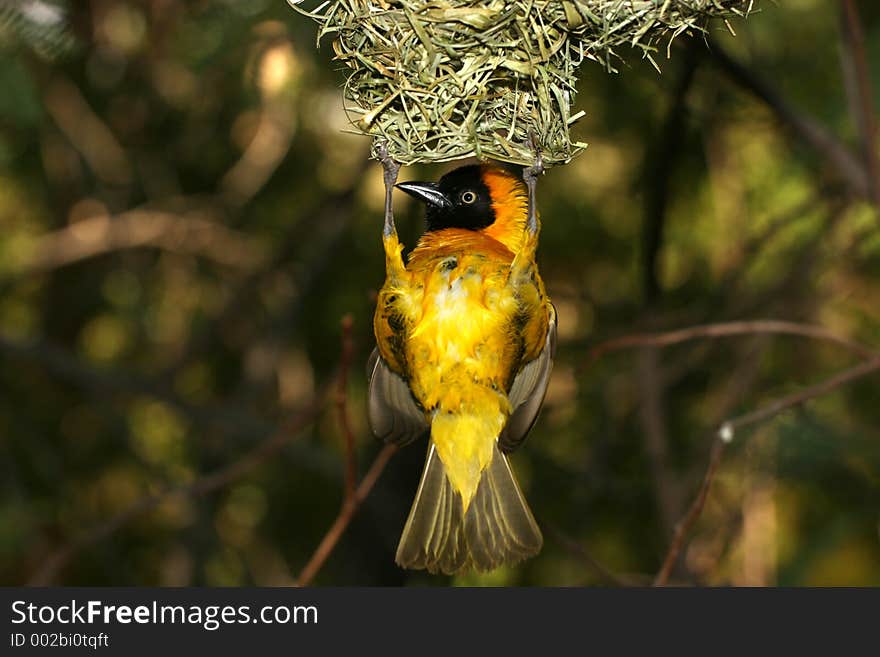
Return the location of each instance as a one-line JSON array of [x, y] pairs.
[[460, 200]]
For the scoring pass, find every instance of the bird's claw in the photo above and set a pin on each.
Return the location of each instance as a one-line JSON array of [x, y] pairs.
[[537, 167], [530, 177], [390, 166]]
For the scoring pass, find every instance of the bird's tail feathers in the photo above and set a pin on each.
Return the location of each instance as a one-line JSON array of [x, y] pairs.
[[496, 529]]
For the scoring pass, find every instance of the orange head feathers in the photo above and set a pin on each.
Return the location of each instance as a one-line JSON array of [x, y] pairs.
[[480, 197]]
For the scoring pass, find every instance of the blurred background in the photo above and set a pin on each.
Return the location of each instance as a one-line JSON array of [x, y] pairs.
[[186, 227]]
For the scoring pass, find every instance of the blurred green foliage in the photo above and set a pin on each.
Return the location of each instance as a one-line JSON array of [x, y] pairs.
[[184, 222]]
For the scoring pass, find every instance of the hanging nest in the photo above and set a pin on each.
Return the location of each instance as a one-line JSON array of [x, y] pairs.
[[439, 80]]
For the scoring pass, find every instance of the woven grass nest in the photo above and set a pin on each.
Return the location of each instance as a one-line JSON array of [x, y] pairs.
[[440, 80]]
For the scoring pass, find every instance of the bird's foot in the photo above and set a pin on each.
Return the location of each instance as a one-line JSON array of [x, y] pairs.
[[390, 168], [530, 176]]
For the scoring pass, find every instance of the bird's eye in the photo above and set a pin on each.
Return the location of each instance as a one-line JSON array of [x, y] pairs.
[[468, 197]]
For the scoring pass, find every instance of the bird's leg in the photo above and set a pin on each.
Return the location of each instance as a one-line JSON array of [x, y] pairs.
[[530, 176], [395, 270], [524, 260], [391, 169]]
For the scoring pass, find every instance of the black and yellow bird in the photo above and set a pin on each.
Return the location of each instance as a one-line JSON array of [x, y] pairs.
[[465, 341]]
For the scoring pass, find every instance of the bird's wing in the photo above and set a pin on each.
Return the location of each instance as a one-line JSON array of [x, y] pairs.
[[393, 413], [527, 393]]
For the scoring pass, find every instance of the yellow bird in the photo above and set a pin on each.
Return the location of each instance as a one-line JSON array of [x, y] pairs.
[[465, 342]]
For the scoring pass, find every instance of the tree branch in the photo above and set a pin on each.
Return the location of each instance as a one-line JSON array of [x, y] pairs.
[[101, 234], [349, 508], [659, 171], [726, 434], [683, 527], [849, 169], [353, 496], [660, 163], [722, 330], [865, 368], [87, 132]]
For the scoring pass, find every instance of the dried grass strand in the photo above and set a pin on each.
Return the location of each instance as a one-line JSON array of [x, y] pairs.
[[440, 80]]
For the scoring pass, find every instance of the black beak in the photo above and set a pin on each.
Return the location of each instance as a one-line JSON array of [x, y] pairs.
[[427, 192]]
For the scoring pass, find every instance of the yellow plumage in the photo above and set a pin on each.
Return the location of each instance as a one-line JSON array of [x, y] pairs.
[[457, 324]]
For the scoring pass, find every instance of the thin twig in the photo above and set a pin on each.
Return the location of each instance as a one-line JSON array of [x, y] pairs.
[[726, 434], [726, 329], [729, 427], [346, 513], [683, 527], [353, 496]]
